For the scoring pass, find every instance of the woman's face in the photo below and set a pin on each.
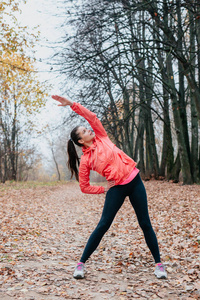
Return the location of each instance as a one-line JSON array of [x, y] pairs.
[[86, 135]]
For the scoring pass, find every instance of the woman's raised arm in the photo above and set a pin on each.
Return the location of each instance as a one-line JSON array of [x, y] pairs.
[[85, 113]]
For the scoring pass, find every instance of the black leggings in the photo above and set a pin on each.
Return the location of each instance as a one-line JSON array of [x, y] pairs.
[[114, 200]]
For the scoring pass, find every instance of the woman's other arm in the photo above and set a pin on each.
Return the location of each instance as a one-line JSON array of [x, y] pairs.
[[84, 181]]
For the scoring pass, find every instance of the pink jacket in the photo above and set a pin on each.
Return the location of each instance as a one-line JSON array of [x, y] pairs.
[[103, 156]]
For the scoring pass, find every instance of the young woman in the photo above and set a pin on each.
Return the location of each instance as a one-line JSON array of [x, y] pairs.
[[102, 156]]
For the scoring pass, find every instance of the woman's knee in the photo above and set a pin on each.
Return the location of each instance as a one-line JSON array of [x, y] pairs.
[[145, 225], [103, 225]]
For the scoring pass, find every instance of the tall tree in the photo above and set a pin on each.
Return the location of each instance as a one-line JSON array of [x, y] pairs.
[[21, 93], [137, 54]]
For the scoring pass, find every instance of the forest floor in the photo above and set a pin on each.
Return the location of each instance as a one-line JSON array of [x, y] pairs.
[[44, 230]]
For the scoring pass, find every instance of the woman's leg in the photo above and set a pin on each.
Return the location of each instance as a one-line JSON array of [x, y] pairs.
[[114, 200], [138, 199]]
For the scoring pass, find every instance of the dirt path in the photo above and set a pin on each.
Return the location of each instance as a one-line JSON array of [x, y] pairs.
[[44, 230]]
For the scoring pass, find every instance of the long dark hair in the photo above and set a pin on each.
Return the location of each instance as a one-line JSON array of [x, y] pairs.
[[73, 159]]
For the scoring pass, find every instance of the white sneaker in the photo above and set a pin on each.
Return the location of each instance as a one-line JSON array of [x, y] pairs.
[[79, 272], [160, 271]]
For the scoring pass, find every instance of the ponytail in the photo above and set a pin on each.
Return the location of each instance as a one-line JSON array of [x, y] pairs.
[[73, 159]]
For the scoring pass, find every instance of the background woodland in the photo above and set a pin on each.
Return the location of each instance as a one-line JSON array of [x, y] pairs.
[[136, 64]]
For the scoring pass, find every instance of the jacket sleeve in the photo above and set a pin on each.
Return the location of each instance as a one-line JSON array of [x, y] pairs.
[[91, 118], [84, 181]]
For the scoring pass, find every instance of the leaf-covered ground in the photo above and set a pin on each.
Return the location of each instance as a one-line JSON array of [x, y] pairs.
[[44, 230]]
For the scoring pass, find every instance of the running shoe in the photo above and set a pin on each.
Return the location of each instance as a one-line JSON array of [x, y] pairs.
[[79, 272], [160, 271]]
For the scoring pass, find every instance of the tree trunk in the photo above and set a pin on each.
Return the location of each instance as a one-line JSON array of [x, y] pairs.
[[152, 165], [13, 152], [194, 116], [140, 142], [181, 94], [197, 30], [167, 160], [174, 174], [56, 164], [185, 164]]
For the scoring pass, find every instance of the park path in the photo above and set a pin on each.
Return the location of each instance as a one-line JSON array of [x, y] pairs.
[[44, 230]]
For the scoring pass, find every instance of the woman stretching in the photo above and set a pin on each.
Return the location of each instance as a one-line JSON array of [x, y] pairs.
[[102, 156]]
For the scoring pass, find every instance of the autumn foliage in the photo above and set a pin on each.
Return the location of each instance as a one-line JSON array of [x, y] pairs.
[[44, 231], [21, 93]]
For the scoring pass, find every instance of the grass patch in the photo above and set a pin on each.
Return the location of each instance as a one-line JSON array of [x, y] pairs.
[[8, 185]]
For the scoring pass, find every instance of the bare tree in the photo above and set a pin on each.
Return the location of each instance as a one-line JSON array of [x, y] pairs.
[[138, 65]]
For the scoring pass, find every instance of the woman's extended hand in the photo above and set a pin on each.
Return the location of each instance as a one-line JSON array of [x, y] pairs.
[[63, 101], [110, 184]]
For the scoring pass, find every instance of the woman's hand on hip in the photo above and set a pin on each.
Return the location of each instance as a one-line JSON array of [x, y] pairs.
[[63, 101], [110, 184]]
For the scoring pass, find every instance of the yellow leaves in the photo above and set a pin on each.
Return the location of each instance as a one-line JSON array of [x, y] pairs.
[[2, 6], [13, 63], [14, 38], [18, 79], [17, 72]]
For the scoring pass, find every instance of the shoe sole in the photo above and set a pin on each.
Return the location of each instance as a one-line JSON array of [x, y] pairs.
[[79, 277], [161, 277]]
